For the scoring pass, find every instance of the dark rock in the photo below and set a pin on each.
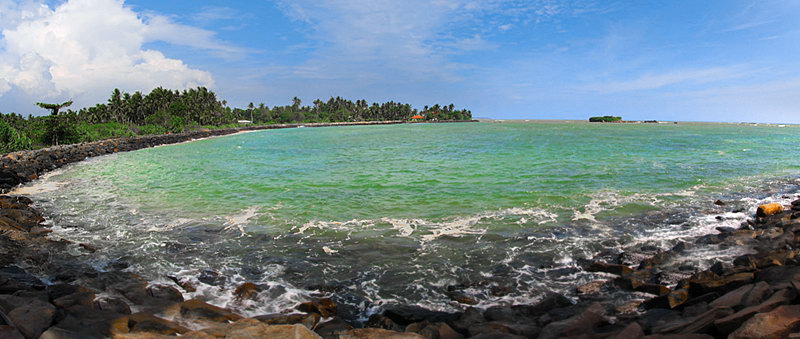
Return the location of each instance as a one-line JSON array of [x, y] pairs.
[[246, 290], [472, 316], [380, 321], [60, 333], [673, 299], [707, 281], [747, 295], [144, 322], [80, 298], [718, 268], [609, 268], [632, 331], [719, 203], [725, 229], [433, 330], [779, 276], [461, 297], [729, 323], [13, 278], [196, 309], [309, 320], [593, 287], [331, 328], [702, 323], [211, 278], [10, 332], [659, 317], [324, 307], [581, 324], [111, 304], [407, 314], [777, 323], [165, 292], [32, 316]]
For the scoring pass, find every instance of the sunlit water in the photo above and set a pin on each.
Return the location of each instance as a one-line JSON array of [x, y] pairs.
[[379, 215]]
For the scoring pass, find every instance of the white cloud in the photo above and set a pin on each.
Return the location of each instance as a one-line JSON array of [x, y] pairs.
[[654, 81], [82, 49]]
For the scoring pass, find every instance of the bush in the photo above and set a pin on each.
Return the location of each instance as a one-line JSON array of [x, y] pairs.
[[93, 132], [12, 140]]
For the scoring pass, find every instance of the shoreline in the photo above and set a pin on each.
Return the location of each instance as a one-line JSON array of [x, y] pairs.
[[111, 301]]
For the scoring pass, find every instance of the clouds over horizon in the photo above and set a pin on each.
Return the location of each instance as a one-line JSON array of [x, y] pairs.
[[81, 49]]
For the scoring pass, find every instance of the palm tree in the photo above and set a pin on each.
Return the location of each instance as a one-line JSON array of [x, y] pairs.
[[54, 108]]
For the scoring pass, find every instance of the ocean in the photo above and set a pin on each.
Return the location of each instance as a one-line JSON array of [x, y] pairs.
[[437, 215]]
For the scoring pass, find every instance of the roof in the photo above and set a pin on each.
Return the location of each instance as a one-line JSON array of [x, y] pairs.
[[417, 117]]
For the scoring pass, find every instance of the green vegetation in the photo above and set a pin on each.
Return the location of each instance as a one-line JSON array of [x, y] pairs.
[[605, 118], [171, 111]]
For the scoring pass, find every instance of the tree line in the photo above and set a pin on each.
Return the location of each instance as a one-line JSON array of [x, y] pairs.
[[173, 111]]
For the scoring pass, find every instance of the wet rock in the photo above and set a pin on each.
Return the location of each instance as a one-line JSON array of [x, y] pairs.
[[79, 298], [211, 278], [407, 314], [13, 278], [144, 322], [702, 323], [246, 290], [705, 282], [324, 307], [730, 323], [380, 321], [580, 324], [331, 328], [632, 331], [133, 290], [165, 292], [470, 317], [60, 333], [659, 318], [719, 268], [433, 330], [461, 297], [185, 284], [609, 268], [719, 203], [779, 276], [673, 299], [88, 247], [309, 320], [200, 310], [10, 332], [777, 323], [30, 316], [251, 328], [593, 287], [111, 304], [747, 295], [377, 333]]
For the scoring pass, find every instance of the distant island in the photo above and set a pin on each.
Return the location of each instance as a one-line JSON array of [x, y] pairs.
[[605, 118]]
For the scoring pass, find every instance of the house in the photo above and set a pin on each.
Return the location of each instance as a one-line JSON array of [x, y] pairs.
[[417, 117]]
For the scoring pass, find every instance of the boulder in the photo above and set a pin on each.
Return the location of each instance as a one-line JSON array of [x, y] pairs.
[[729, 323], [60, 333], [434, 330], [377, 333], [632, 331], [11, 332], [702, 323], [609, 268], [747, 295], [79, 298], [199, 310], [145, 322], [779, 276], [164, 292], [309, 320], [330, 328], [769, 209], [381, 321], [580, 324], [707, 281], [407, 314], [31, 316], [112, 304], [777, 323], [324, 307], [251, 328], [247, 290]]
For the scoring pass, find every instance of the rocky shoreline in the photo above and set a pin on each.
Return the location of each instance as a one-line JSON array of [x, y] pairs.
[[45, 292]]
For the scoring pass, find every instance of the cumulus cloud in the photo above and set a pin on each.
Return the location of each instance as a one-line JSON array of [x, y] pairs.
[[82, 49]]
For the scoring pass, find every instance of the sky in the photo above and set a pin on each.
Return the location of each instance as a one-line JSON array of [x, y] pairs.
[[683, 60]]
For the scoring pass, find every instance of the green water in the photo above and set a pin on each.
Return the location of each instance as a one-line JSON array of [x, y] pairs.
[[386, 214]]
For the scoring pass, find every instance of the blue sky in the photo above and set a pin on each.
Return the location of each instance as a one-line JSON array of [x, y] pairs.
[[668, 60]]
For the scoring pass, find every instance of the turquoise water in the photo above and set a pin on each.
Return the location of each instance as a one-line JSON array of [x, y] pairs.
[[400, 214]]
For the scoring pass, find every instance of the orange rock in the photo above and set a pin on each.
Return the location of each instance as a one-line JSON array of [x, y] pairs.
[[769, 209]]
